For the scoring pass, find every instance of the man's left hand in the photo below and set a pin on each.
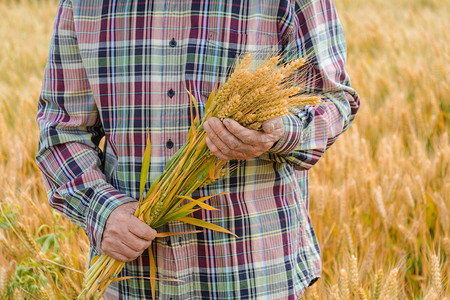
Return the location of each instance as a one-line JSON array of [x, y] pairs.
[[229, 140]]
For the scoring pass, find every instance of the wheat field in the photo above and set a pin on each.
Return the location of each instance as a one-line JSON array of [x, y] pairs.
[[379, 197]]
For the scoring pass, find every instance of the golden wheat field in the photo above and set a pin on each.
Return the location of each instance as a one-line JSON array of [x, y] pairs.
[[380, 197]]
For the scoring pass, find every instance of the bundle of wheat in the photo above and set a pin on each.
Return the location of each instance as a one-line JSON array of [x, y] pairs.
[[255, 92]]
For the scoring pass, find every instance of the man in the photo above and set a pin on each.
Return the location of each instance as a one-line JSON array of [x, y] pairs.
[[118, 67]]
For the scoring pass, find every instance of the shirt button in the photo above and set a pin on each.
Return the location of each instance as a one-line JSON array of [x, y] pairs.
[[173, 43], [169, 144], [170, 93]]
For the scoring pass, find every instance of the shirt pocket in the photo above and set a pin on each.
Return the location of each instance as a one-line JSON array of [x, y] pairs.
[[224, 47], [220, 54]]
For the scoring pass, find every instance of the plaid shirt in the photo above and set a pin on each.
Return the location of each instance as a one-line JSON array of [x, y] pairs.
[[117, 67]]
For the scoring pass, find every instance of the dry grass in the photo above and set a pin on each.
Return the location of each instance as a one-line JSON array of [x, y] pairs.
[[382, 191], [25, 29], [379, 197]]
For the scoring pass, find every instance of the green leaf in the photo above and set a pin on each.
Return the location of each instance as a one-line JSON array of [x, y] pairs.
[[210, 100], [166, 234], [175, 215], [145, 165], [143, 277], [7, 217], [211, 96], [48, 241], [199, 203], [151, 258], [194, 101], [204, 224], [183, 210]]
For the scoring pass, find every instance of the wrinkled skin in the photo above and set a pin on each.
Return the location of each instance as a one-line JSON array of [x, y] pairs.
[[125, 237], [229, 140]]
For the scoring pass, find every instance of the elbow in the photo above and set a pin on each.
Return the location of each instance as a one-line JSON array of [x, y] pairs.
[[341, 113], [354, 104]]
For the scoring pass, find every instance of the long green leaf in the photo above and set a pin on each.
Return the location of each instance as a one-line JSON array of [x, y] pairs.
[[175, 216], [194, 101], [145, 166], [205, 224], [151, 258], [177, 209], [166, 234], [211, 96], [199, 203], [143, 277]]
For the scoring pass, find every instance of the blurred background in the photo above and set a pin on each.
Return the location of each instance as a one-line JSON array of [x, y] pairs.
[[379, 197]]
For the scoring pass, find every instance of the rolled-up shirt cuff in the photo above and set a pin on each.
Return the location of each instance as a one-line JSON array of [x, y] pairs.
[[292, 136]]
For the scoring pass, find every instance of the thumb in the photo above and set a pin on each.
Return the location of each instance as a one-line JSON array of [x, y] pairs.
[[269, 125]]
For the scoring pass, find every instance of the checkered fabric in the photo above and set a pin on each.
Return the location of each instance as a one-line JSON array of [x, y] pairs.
[[116, 68]]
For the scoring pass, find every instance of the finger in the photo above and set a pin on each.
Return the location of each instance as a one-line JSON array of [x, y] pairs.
[[129, 252], [219, 131], [245, 135], [257, 142], [213, 135], [214, 128], [268, 126], [127, 256], [140, 229], [121, 251], [272, 125], [216, 151], [118, 257], [136, 244]]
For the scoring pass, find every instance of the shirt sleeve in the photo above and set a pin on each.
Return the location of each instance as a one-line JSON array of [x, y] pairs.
[[315, 30], [70, 131]]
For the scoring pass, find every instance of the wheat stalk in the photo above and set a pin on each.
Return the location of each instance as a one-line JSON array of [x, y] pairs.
[[436, 274], [335, 292], [368, 259], [390, 291], [344, 286], [362, 294], [3, 281], [378, 284], [354, 274], [348, 235]]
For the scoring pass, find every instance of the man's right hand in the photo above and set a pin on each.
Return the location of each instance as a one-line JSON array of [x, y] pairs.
[[125, 237]]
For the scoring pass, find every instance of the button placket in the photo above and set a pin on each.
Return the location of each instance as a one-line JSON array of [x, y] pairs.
[[173, 86]]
